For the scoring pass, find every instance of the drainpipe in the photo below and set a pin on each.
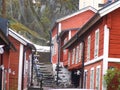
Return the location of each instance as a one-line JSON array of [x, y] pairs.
[[59, 43], [33, 53], [50, 46], [82, 57]]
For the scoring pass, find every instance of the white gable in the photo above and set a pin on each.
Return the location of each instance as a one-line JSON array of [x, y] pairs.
[[18, 37]]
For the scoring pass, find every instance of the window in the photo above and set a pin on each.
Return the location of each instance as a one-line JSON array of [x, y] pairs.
[[98, 78], [92, 78], [85, 79], [68, 58], [96, 50], [77, 53], [52, 48], [81, 51], [73, 55], [88, 48]]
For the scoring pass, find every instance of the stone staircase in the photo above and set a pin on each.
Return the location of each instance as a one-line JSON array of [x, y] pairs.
[[46, 70]]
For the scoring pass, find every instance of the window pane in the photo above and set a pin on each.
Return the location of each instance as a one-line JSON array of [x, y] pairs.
[[88, 48], [96, 43]]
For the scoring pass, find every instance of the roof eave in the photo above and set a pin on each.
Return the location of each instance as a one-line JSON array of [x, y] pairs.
[[76, 13], [92, 21], [102, 12], [7, 41]]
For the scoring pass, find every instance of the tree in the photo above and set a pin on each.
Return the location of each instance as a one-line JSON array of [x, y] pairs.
[[3, 8]]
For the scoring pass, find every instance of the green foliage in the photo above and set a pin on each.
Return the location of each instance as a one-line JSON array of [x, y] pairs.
[[112, 79], [26, 32]]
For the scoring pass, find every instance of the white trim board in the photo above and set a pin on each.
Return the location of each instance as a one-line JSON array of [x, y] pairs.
[[93, 61], [18, 37], [113, 59], [20, 67]]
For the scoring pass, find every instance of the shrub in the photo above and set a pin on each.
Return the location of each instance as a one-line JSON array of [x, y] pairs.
[[112, 79]]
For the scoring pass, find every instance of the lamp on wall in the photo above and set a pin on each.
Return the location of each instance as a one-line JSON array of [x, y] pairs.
[[1, 49], [2, 67], [78, 72]]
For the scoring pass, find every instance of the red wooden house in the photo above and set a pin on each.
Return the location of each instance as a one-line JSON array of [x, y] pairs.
[[63, 30], [20, 62], [5, 47], [95, 48]]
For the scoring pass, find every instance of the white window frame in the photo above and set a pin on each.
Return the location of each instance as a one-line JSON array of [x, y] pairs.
[[52, 50], [85, 79], [88, 47], [73, 56], [96, 48], [77, 54], [92, 78], [80, 51], [98, 76], [54, 47]]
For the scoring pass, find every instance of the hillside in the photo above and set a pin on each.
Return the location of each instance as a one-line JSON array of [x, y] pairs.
[[36, 17]]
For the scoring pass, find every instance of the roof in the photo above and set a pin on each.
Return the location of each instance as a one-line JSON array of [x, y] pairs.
[[6, 40], [42, 48], [21, 39], [102, 12], [76, 13], [18, 37]]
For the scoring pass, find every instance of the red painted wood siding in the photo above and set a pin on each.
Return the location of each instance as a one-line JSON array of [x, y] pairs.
[[99, 26], [54, 31], [14, 64], [77, 21], [74, 22], [114, 46], [114, 65], [6, 66]]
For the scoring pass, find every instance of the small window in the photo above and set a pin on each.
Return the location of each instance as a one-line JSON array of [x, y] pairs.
[[85, 79], [88, 48], [98, 78], [73, 56], [96, 49], [54, 47], [80, 51], [77, 54], [92, 78]]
